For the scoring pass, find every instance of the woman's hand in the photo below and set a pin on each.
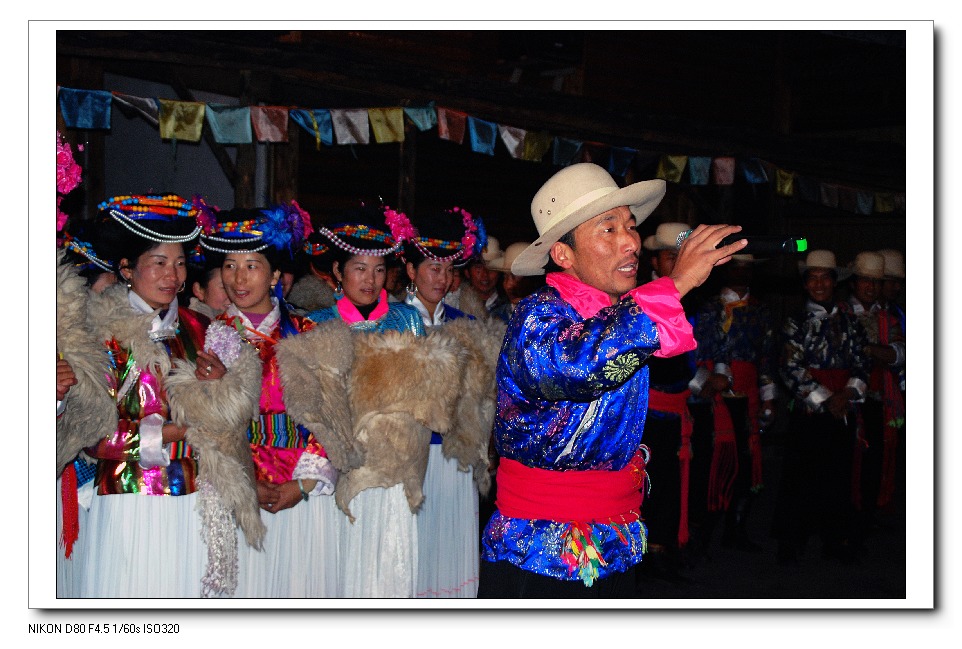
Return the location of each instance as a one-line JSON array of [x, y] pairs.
[[209, 367], [171, 432], [275, 497], [698, 255], [65, 378]]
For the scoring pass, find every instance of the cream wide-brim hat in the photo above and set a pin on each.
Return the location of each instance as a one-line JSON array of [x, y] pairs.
[[577, 194], [823, 259], [869, 264], [491, 251], [666, 236], [894, 263], [503, 263]]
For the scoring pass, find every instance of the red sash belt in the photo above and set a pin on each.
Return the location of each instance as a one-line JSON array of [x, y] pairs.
[[677, 402], [745, 381], [893, 413], [582, 496]]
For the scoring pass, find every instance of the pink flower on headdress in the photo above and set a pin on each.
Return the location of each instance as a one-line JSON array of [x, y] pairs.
[[399, 225], [305, 219], [206, 215], [469, 238]]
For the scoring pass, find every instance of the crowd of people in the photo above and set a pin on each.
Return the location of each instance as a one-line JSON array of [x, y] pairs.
[[256, 403]]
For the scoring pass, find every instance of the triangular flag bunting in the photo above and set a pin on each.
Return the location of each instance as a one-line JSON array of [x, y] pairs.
[[536, 145]]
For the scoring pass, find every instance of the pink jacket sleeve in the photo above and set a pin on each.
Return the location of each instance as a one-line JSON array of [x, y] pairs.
[[661, 302]]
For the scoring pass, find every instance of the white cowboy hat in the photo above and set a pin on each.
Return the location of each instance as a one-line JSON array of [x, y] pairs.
[[574, 195], [894, 263], [868, 264], [666, 236], [491, 251], [823, 259], [503, 263]]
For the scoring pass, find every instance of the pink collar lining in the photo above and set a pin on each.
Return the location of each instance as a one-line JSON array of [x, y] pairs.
[[586, 300], [350, 314]]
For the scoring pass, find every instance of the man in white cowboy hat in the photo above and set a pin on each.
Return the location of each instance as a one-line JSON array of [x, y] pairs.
[[893, 283], [572, 389], [482, 293], [514, 287], [735, 386], [826, 372], [883, 412]]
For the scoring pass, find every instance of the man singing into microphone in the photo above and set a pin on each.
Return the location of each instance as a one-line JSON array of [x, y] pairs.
[[573, 389]]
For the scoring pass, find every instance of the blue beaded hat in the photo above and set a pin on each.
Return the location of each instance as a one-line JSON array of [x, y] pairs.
[[280, 229]]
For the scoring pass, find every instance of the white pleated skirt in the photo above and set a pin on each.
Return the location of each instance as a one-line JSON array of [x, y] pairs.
[[379, 551], [447, 531], [141, 546], [300, 555]]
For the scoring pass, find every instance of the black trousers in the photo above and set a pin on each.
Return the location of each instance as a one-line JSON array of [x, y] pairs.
[[815, 494], [503, 580]]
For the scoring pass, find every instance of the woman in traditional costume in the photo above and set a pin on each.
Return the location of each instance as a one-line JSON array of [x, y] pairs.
[[379, 539], [434, 250], [294, 476], [172, 473]]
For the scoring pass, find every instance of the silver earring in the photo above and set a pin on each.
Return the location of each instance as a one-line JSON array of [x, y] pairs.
[[338, 292], [412, 290]]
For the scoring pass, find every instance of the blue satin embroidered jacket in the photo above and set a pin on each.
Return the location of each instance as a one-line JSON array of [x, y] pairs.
[[572, 395]]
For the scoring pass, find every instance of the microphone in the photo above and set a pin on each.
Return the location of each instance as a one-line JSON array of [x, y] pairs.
[[759, 244]]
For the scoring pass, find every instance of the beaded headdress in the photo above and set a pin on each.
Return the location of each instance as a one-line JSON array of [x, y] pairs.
[[84, 250], [137, 213], [284, 228], [451, 235], [366, 230]]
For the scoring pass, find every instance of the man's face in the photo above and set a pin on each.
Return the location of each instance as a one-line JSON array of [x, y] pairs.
[[483, 279], [605, 255], [819, 284], [866, 290], [891, 287], [663, 261]]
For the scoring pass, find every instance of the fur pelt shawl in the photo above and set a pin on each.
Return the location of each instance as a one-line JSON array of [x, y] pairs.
[[472, 303], [216, 413], [376, 398], [310, 293], [467, 441], [90, 413]]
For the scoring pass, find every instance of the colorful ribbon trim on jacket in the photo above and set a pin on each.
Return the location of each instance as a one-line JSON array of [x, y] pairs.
[[277, 430]]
